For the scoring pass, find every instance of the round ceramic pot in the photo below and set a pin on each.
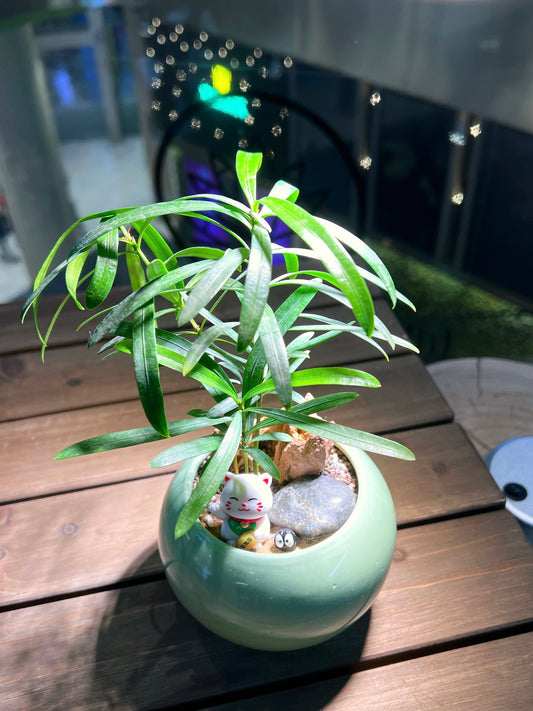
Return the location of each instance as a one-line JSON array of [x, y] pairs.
[[283, 601]]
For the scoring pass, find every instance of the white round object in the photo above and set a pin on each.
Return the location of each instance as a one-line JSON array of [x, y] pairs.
[[511, 465]]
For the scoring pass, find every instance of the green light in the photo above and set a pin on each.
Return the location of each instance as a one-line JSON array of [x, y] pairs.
[[236, 106]]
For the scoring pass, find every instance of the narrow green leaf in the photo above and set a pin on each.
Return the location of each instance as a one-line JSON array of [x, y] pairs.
[[156, 243], [365, 252], [332, 254], [156, 268], [187, 206], [291, 261], [172, 350], [339, 433], [223, 407], [186, 450], [200, 252], [146, 367], [276, 356], [135, 268], [286, 315], [273, 437], [264, 461], [324, 402], [211, 477], [43, 278], [72, 276], [210, 283], [256, 287], [247, 165], [212, 382], [202, 343], [140, 435], [321, 376], [283, 190], [104, 271], [145, 293]]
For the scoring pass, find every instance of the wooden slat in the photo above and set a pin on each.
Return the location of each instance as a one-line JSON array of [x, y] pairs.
[[28, 445], [407, 398], [94, 533], [71, 377], [74, 377], [490, 676], [17, 337], [447, 478], [27, 448], [138, 647]]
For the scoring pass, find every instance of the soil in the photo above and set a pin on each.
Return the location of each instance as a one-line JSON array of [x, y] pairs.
[[338, 467]]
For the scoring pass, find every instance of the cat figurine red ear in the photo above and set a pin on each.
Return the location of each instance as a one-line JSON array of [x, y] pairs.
[[245, 502]]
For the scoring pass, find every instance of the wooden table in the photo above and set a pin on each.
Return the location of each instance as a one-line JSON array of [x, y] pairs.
[[88, 620]]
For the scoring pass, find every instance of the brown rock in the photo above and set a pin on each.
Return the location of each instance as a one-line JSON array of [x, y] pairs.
[[307, 454]]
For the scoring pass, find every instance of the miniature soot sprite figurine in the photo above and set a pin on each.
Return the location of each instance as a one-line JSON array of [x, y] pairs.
[[244, 503], [285, 539]]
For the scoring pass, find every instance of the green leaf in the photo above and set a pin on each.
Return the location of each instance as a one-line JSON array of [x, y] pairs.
[[146, 367], [186, 206], [256, 287], [324, 402], [286, 315], [247, 165], [145, 293], [186, 450], [174, 348], [272, 437], [365, 252], [139, 435], [283, 190], [72, 276], [339, 433], [156, 243], [276, 356], [332, 254], [202, 343], [264, 461], [135, 269], [210, 283], [321, 376], [104, 271], [211, 477], [200, 252], [43, 278]]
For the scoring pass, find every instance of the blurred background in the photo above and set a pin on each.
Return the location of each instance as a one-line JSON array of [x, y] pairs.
[[409, 121]]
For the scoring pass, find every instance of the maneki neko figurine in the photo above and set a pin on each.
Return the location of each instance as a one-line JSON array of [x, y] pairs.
[[245, 502]]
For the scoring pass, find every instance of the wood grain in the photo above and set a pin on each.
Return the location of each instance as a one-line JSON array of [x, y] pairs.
[[28, 445], [138, 647], [72, 553], [27, 448], [73, 377], [447, 478], [492, 675]]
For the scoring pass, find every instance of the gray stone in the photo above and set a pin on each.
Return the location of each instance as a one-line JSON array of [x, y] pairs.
[[313, 506]]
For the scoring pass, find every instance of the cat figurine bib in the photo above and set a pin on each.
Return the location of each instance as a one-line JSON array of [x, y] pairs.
[[245, 502]]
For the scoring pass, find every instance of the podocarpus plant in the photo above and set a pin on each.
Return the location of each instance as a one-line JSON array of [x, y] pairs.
[[240, 361]]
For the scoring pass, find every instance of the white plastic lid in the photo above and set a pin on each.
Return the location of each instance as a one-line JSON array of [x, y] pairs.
[[511, 465]]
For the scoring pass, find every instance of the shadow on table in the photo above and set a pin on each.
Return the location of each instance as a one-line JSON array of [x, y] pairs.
[[151, 654]]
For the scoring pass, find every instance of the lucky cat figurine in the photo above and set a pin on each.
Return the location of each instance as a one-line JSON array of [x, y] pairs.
[[244, 503]]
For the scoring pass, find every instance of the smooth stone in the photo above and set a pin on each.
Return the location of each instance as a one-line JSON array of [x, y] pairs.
[[313, 506]]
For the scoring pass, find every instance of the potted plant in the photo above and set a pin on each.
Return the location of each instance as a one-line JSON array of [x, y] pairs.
[[264, 601]]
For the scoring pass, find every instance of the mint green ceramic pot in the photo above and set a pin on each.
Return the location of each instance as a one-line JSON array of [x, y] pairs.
[[283, 601]]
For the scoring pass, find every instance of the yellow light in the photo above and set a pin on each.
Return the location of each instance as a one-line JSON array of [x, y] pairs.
[[221, 79]]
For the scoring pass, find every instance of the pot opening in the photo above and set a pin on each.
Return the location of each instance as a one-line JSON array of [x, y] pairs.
[[306, 511]]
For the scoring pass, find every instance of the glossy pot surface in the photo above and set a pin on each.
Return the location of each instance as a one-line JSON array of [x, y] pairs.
[[283, 601]]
